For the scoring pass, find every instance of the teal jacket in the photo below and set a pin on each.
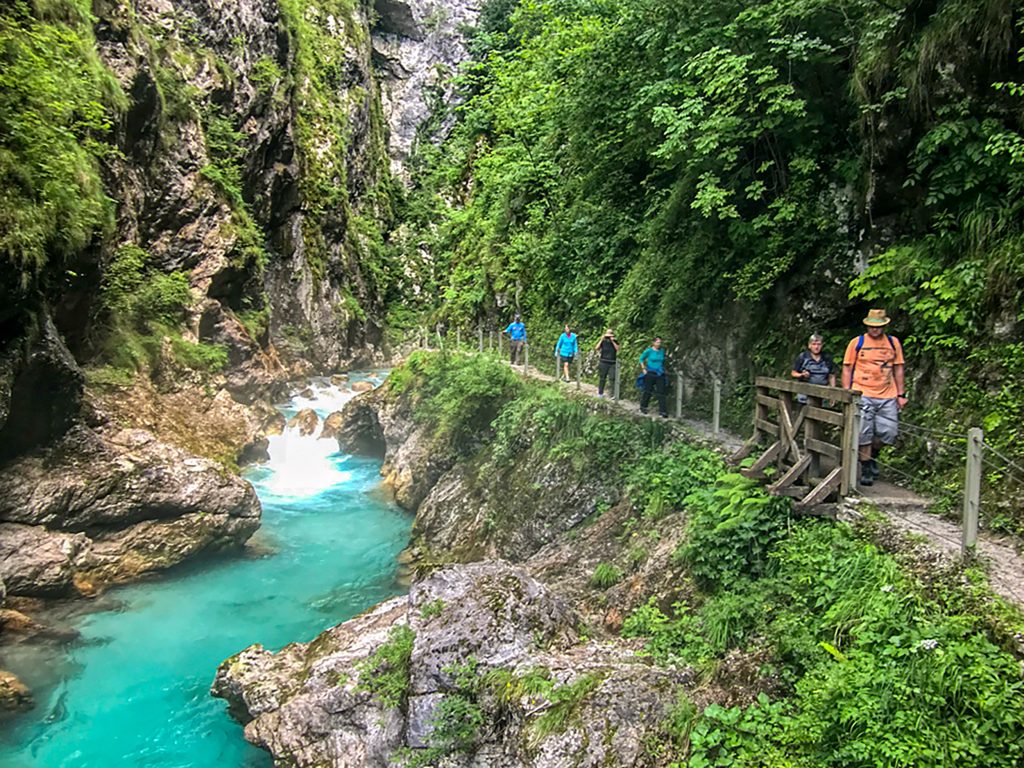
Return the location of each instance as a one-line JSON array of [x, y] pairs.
[[654, 359]]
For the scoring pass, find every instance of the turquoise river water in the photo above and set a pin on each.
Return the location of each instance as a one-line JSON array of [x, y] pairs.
[[133, 690]]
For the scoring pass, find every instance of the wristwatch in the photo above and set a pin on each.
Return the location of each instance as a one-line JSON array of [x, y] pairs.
[[903, 395]]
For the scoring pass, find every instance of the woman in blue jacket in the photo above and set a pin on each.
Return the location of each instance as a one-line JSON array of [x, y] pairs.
[[566, 348]]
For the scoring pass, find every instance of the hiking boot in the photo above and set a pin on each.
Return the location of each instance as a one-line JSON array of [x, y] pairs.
[[873, 467], [866, 478], [664, 415], [643, 411]]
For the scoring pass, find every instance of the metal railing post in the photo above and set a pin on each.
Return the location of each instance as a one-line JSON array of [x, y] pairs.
[[617, 367], [679, 394], [716, 407], [972, 490]]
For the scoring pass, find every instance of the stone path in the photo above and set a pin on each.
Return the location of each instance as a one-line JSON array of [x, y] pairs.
[[906, 510]]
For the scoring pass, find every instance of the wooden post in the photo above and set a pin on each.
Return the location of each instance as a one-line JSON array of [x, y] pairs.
[[501, 337], [526, 357], [480, 338], [617, 368], [558, 366], [679, 394], [490, 341], [579, 367], [716, 408], [458, 338], [851, 447], [972, 490]]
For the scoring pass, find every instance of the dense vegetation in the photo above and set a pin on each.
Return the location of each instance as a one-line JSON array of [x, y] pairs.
[[733, 176], [857, 655]]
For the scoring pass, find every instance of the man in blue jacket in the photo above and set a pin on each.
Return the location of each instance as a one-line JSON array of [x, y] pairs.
[[517, 338], [652, 362]]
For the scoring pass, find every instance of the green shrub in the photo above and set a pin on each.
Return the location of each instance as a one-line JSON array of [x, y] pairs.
[[565, 702], [385, 673], [460, 396], [661, 481], [432, 609], [605, 576], [210, 358], [732, 528]]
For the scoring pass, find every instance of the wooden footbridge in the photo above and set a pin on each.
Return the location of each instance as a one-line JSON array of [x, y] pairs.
[[814, 440]]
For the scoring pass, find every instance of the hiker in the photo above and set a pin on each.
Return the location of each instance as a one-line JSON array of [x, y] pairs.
[[814, 366], [609, 352], [517, 338], [652, 362], [873, 364], [566, 348]]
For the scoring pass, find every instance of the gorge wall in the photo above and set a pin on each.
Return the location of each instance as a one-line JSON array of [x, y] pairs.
[[199, 198]]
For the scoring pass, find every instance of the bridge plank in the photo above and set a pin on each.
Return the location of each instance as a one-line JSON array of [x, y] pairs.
[[838, 394], [791, 475], [825, 449], [821, 415], [823, 489], [756, 470]]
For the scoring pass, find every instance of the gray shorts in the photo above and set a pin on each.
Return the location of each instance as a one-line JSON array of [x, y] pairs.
[[879, 418]]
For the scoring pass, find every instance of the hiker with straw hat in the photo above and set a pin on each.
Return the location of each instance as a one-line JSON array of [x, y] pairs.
[[873, 364]]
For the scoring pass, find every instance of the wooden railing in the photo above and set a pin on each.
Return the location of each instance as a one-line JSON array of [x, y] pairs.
[[814, 448]]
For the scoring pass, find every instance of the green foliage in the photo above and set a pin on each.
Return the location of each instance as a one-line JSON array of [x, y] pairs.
[[210, 358], [385, 673], [646, 164], [458, 718], [460, 396], [880, 668], [564, 705], [605, 575], [661, 482], [266, 74], [432, 609], [731, 530], [57, 104]]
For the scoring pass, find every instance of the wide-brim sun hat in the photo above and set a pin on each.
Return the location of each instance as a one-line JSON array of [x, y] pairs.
[[876, 317]]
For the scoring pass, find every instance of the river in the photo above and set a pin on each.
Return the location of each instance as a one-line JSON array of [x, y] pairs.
[[133, 690]]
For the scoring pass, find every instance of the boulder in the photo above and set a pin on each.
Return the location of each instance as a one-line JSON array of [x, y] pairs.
[[339, 379], [306, 420], [332, 425], [362, 386], [102, 507], [38, 561], [274, 424], [308, 705], [14, 694]]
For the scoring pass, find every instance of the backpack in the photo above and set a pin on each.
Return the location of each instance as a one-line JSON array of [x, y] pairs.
[[860, 343]]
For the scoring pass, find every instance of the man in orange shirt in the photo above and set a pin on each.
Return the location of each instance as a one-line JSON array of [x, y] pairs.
[[873, 364]]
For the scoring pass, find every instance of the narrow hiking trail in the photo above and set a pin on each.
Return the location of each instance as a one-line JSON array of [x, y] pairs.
[[906, 510]]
